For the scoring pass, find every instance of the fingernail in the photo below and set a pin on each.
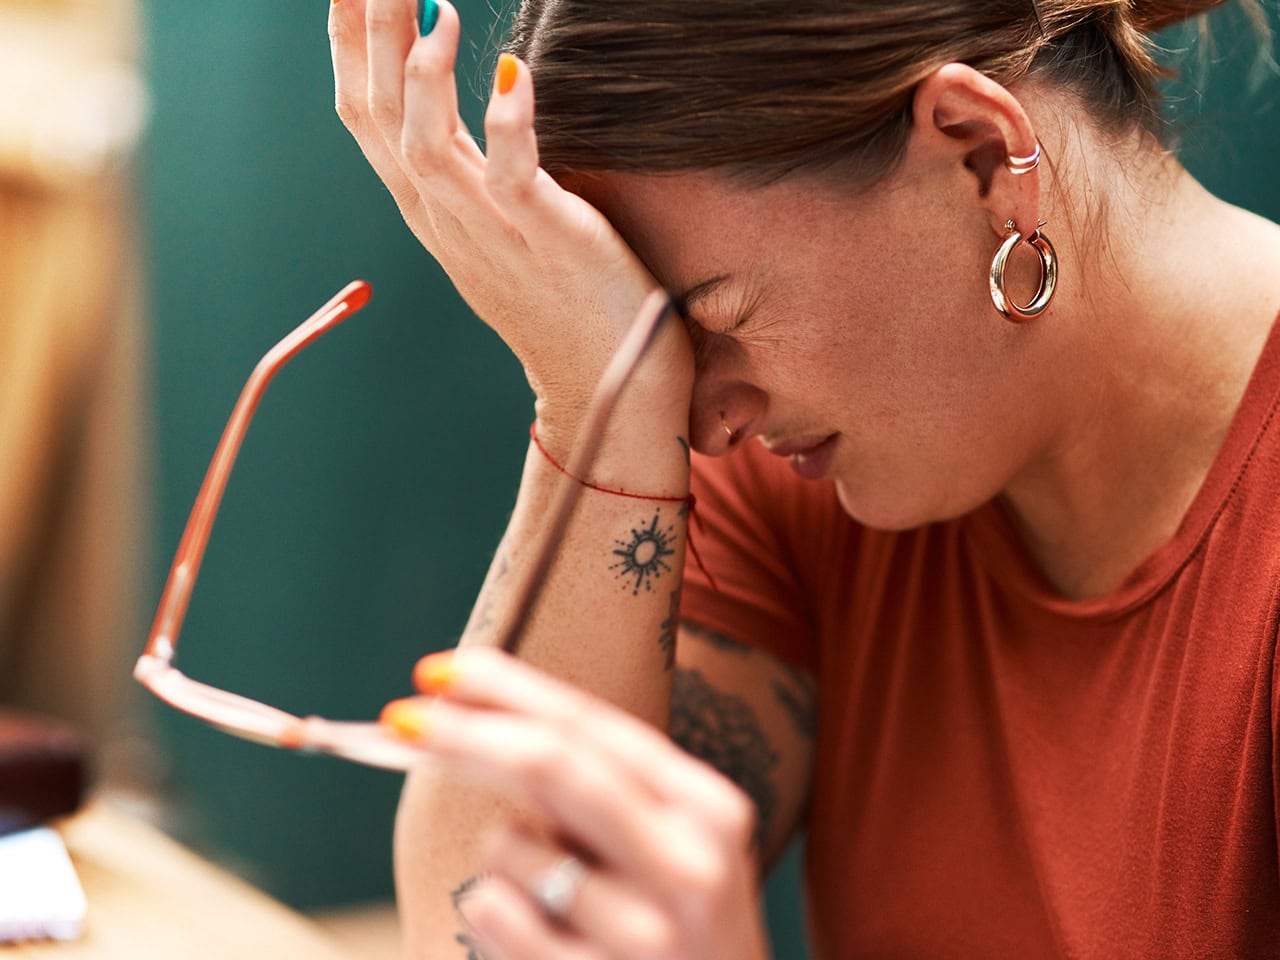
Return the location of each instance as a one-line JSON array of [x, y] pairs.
[[508, 70], [435, 674], [294, 735], [428, 14], [407, 719]]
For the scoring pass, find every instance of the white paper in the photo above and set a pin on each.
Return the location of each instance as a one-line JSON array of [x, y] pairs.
[[40, 894]]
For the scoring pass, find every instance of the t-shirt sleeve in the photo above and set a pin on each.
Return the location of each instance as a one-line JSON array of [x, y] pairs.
[[747, 523]]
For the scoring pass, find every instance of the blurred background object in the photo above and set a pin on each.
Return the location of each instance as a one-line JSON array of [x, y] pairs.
[[73, 531]]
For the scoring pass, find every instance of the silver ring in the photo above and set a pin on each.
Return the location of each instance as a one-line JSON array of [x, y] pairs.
[[557, 887]]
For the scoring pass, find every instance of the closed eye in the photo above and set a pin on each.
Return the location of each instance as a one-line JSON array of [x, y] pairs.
[[717, 314], [724, 311]]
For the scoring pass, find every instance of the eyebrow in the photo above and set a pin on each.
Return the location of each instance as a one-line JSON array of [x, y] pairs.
[[700, 291]]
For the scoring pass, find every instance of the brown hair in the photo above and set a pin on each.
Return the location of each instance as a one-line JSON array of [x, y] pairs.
[[764, 88]]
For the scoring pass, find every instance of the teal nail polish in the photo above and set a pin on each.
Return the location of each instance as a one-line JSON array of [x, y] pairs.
[[428, 14]]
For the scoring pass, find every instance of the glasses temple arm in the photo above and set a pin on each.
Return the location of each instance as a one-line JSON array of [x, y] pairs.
[[172, 610], [644, 328]]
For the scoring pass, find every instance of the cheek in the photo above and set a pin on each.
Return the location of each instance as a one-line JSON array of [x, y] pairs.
[[893, 338]]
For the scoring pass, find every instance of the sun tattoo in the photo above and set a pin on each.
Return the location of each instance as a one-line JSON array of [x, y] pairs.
[[644, 556]]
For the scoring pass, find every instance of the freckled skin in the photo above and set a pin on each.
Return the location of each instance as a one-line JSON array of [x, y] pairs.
[[843, 331]]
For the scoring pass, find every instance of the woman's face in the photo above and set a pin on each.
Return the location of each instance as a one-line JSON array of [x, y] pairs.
[[853, 333]]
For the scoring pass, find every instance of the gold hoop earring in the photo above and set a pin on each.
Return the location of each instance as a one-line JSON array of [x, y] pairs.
[[727, 429], [1048, 275]]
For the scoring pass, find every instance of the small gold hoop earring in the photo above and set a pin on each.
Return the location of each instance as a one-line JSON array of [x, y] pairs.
[[1022, 165], [727, 429], [1048, 276]]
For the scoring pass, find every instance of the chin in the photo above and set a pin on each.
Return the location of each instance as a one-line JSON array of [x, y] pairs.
[[885, 510]]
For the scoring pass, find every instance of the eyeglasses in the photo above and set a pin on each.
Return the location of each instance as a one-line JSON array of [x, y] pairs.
[[362, 742]]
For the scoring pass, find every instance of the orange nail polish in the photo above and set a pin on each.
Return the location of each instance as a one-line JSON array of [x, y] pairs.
[[508, 71], [435, 674], [407, 719], [294, 735]]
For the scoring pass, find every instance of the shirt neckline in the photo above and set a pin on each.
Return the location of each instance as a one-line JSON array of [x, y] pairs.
[[1001, 551]]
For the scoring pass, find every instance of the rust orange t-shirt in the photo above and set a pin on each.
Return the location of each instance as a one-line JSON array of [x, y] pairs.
[[1004, 773]]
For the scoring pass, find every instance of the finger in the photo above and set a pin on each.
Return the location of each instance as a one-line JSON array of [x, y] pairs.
[[592, 800], [489, 678], [350, 65], [390, 28], [510, 927], [347, 43], [605, 911], [531, 200], [434, 139], [511, 173], [436, 149]]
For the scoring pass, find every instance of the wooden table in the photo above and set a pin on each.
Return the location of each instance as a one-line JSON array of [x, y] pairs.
[[150, 897]]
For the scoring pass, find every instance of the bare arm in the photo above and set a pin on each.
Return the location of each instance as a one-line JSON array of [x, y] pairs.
[[753, 717], [551, 276], [605, 624]]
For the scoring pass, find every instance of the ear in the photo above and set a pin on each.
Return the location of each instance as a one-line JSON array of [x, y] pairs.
[[967, 117]]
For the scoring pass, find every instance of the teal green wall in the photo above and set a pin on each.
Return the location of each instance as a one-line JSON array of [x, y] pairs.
[[377, 476]]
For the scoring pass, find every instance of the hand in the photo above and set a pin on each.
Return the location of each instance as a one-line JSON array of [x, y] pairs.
[[537, 263], [665, 840]]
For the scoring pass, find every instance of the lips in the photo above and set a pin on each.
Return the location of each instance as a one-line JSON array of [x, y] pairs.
[[810, 456]]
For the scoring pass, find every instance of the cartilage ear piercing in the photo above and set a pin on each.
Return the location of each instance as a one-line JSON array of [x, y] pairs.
[[1020, 165]]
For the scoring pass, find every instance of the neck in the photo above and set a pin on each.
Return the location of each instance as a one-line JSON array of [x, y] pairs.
[[1165, 329]]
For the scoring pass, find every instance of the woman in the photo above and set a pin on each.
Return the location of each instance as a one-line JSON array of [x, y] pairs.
[[1009, 533]]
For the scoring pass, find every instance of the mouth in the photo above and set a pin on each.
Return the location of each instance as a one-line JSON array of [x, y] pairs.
[[810, 457]]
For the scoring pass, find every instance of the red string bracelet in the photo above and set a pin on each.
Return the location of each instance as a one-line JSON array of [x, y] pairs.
[[690, 501]]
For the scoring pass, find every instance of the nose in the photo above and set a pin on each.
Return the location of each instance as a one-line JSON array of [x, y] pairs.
[[724, 415]]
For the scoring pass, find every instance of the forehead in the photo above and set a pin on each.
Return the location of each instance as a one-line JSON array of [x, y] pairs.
[[688, 226]]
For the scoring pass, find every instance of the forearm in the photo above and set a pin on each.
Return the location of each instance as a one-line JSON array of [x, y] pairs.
[[605, 621], [553, 278], [604, 615]]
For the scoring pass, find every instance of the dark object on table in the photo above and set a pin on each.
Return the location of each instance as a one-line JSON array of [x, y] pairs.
[[42, 771]]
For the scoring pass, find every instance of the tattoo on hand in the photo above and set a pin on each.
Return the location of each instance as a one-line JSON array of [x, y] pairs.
[[459, 896], [644, 555], [722, 730], [669, 627]]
